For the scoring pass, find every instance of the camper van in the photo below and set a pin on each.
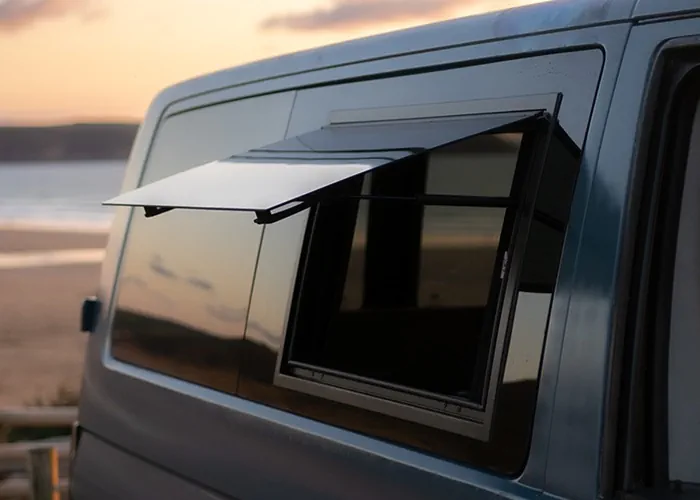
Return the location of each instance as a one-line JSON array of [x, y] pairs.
[[460, 261]]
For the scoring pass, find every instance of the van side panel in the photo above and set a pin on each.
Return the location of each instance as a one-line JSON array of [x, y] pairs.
[[112, 474], [242, 449], [531, 24], [649, 8]]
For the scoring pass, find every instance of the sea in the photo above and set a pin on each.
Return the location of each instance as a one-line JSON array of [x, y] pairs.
[[69, 195], [59, 195]]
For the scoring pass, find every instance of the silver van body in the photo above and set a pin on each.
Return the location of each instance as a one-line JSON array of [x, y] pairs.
[[596, 68]]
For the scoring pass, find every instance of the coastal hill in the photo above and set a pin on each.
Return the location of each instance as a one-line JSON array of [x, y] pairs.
[[88, 141]]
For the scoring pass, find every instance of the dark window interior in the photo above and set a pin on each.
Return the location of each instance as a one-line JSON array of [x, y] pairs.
[[408, 278]]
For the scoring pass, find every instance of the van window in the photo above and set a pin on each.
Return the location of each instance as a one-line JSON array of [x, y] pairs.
[[422, 292], [404, 290], [183, 293], [684, 342], [185, 276]]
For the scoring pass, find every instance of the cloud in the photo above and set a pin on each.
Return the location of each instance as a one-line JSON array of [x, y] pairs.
[[227, 314], [200, 283], [18, 14], [134, 281], [157, 267], [358, 13]]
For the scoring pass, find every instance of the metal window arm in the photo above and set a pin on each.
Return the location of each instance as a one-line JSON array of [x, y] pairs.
[[270, 217]]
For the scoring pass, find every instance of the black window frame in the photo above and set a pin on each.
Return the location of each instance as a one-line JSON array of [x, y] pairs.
[[471, 419]]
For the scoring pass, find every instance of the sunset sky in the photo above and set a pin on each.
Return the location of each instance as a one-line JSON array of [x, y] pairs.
[[79, 60]]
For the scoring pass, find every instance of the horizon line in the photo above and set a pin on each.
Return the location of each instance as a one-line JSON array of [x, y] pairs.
[[67, 123]]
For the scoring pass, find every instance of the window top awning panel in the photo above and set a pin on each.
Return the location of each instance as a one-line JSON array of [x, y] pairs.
[[295, 169]]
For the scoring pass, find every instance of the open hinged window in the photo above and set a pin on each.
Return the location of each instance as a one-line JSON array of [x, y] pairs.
[[284, 178], [415, 274], [432, 243]]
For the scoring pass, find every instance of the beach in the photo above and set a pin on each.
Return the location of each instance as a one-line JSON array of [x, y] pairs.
[[44, 277]]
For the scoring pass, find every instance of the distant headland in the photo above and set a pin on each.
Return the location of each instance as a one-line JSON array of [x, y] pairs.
[[85, 141]]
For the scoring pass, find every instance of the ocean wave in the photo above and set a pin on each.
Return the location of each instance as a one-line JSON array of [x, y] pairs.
[[59, 197]]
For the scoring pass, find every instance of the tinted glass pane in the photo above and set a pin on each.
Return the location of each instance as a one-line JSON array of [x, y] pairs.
[[481, 166], [541, 260], [539, 271], [354, 280], [457, 256], [458, 253], [558, 180], [186, 276], [537, 280], [183, 295]]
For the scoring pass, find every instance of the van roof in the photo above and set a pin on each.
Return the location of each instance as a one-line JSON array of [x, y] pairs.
[[549, 16]]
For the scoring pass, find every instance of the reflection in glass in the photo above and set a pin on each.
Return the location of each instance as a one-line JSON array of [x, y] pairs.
[[481, 166], [354, 279], [414, 270], [540, 263], [458, 253], [183, 295], [274, 281], [538, 277], [185, 276]]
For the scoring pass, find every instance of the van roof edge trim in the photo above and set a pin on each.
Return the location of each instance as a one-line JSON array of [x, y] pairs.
[[299, 169]]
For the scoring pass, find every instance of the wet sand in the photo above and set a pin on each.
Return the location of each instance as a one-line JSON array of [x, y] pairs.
[[13, 240], [41, 348]]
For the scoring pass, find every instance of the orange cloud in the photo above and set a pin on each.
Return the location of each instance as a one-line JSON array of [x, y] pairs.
[[18, 14], [361, 13]]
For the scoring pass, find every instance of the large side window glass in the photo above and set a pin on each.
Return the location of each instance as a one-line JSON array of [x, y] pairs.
[[186, 276], [183, 293]]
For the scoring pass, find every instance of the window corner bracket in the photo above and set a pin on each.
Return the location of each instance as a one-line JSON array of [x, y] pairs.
[[150, 211], [268, 217]]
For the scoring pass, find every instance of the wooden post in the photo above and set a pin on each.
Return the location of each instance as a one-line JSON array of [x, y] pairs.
[[43, 474]]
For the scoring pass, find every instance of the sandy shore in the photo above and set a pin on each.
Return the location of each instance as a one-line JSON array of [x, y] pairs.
[[13, 240], [41, 349]]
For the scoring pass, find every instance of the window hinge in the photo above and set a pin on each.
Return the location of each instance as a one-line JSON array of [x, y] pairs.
[[504, 265]]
